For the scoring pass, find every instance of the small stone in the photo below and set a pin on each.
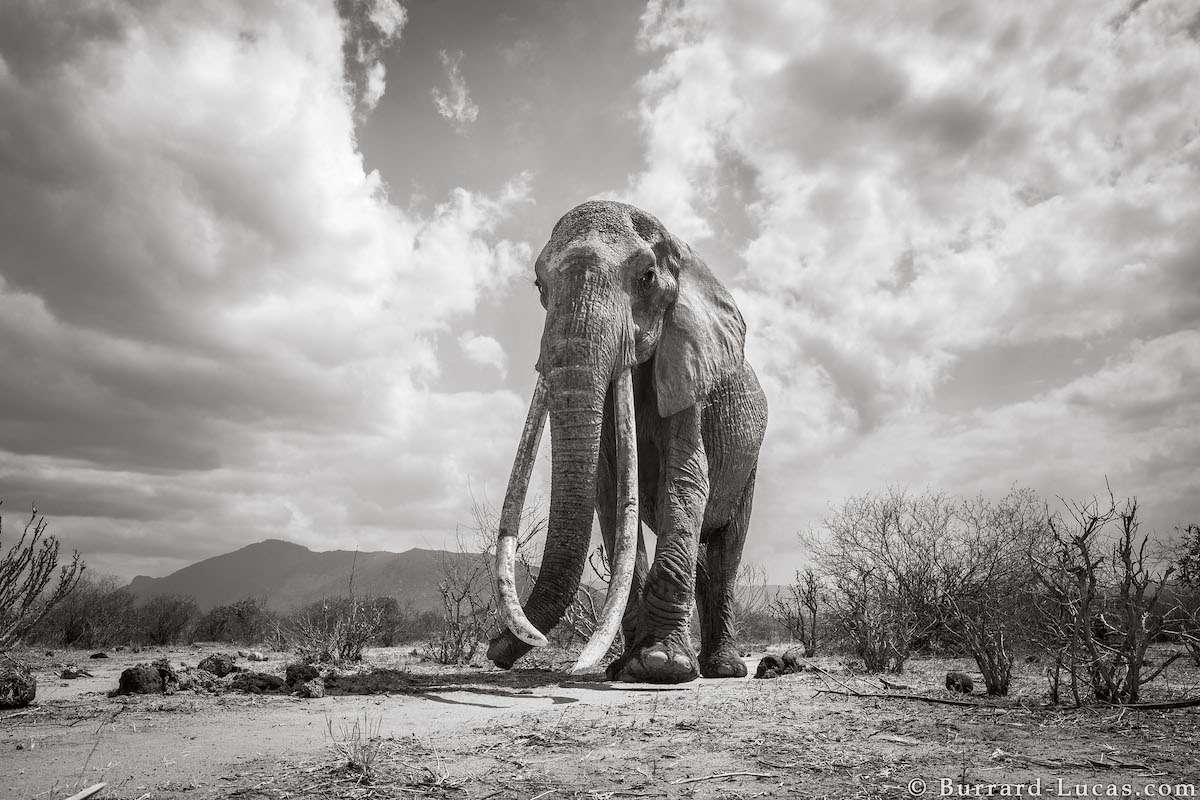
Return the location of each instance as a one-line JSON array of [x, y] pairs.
[[311, 689], [98, 655]]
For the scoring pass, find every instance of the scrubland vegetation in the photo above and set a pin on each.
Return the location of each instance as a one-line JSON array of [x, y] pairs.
[[1075, 586]]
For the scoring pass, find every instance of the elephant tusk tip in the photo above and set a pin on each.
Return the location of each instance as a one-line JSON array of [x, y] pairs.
[[580, 668], [534, 638]]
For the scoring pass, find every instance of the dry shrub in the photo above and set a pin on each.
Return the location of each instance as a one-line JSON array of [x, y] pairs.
[[27, 570], [1102, 602]]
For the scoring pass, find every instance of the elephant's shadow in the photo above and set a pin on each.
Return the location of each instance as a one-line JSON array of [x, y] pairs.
[[503, 683]]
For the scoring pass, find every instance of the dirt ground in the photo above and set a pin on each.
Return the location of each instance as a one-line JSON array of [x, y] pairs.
[[478, 733]]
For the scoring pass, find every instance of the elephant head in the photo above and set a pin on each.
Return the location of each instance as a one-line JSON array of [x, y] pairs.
[[619, 290]]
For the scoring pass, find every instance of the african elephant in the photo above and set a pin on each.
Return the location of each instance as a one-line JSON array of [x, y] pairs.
[[656, 419]]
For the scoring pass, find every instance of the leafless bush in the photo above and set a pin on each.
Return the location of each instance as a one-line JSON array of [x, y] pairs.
[[247, 621], [164, 619], [1102, 602], [339, 628], [879, 554], [583, 615], [335, 629], [877, 622], [752, 619], [468, 580], [1186, 627], [795, 608], [98, 612], [927, 571], [985, 570], [27, 570]]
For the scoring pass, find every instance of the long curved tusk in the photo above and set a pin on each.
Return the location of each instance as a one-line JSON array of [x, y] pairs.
[[511, 612], [625, 546]]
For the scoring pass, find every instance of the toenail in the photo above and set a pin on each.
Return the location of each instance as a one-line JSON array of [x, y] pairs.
[[655, 658], [680, 660]]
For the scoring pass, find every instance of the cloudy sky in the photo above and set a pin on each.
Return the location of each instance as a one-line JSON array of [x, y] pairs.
[[265, 268]]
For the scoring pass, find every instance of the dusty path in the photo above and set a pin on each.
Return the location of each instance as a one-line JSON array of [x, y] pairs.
[[187, 742], [529, 734]]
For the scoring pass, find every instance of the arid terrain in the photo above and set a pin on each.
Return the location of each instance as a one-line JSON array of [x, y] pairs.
[[537, 733]]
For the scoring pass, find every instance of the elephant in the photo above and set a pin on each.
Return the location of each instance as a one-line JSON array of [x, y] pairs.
[[656, 421]]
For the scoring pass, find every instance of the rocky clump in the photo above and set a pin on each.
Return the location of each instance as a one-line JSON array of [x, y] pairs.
[[17, 684], [256, 683], [98, 655], [305, 680], [773, 666], [959, 682], [158, 677], [219, 664]]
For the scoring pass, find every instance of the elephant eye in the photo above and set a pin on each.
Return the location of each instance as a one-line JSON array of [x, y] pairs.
[[648, 277]]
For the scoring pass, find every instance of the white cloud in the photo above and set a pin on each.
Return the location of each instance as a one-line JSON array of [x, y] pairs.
[[214, 325], [924, 187], [456, 105], [483, 350]]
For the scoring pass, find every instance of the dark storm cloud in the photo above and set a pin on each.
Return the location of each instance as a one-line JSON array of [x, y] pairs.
[[214, 326]]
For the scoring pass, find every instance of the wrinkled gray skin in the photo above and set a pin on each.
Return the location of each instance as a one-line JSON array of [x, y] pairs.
[[619, 290]]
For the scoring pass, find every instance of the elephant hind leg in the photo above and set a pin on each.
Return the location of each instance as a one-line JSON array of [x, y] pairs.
[[716, 579]]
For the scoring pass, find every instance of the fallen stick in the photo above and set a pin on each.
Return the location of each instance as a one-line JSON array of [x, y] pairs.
[[88, 792], [916, 697], [1190, 702], [724, 775], [889, 685]]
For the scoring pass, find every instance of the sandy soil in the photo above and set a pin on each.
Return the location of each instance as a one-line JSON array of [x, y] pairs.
[[481, 733]]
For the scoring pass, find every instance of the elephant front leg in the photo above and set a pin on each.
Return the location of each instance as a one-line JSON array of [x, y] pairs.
[[716, 579], [660, 650]]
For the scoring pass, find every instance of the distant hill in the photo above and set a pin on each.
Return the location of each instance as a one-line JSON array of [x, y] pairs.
[[287, 574]]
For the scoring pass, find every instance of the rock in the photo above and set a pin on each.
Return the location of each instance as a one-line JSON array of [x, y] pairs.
[[959, 682], [219, 664], [792, 658], [158, 677], [18, 686], [139, 679], [296, 674], [256, 682], [254, 655], [311, 689], [71, 672], [98, 655], [770, 666]]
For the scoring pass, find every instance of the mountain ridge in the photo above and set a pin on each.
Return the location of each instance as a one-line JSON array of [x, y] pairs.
[[286, 574]]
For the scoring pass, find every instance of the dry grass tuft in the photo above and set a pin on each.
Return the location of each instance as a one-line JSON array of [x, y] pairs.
[[358, 744]]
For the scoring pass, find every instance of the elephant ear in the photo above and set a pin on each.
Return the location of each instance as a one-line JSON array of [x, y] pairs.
[[703, 335]]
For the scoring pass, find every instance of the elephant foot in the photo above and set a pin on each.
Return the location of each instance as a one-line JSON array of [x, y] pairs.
[[725, 663], [658, 662]]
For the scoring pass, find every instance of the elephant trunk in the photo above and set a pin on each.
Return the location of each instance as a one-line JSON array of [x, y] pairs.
[[582, 348]]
